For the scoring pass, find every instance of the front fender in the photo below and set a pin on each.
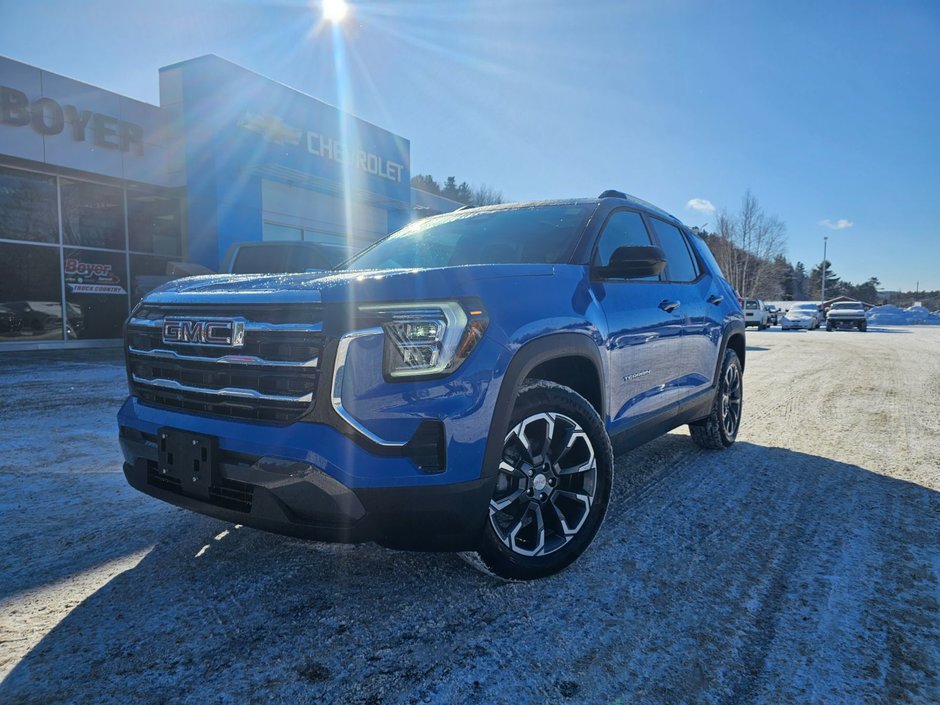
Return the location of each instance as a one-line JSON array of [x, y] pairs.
[[525, 359]]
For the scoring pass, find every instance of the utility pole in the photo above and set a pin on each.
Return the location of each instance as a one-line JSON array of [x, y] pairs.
[[822, 293]]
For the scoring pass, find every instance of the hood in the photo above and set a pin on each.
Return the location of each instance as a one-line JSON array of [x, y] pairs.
[[338, 287]]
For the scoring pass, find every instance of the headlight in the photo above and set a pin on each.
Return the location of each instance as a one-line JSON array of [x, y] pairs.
[[427, 339]]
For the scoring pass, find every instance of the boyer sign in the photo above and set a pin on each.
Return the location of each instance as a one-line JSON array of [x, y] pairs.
[[48, 117]]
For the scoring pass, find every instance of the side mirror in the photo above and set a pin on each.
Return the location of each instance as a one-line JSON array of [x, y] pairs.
[[634, 262]]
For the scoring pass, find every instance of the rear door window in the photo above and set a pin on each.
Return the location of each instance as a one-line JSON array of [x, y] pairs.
[[680, 263]]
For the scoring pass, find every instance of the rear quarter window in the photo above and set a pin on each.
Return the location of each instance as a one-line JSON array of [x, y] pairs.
[[705, 254]]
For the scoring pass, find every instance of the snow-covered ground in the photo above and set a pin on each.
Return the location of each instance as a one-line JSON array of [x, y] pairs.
[[801, 566]]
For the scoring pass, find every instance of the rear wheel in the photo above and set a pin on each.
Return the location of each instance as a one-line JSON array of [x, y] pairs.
[[863, 326], [828, 325], [720, 428], [552, 487]]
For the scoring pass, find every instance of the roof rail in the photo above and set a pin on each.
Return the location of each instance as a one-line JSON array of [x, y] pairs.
[[612, 193]]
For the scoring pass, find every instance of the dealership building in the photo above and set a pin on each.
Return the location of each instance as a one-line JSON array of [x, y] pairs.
[[98, 190]]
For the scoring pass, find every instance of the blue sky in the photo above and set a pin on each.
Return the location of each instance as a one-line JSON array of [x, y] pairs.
[[828, 111]]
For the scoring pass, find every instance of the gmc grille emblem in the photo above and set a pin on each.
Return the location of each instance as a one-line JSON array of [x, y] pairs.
[[226, 332]]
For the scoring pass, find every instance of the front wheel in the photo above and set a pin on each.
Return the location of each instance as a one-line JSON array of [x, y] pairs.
[[552, 486], [720, 428]]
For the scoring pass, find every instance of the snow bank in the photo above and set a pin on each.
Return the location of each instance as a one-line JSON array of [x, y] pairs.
[[893, 316]]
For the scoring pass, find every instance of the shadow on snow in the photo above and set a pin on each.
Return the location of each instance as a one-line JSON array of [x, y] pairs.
[[711, 579]]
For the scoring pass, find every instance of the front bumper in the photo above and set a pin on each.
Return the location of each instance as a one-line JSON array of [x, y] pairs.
[[298, 498], [402, 466]]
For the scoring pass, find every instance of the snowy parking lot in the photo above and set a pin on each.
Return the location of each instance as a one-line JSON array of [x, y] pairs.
[[801, 566]]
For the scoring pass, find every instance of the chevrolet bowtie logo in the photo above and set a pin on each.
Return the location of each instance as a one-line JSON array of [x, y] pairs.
[[272, 128]]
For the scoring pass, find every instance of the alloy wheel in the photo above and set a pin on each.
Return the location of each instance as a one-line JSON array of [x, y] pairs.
[[731, 401], [546, 484]]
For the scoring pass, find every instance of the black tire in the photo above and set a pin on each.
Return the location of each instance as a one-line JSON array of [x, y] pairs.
[[720, 428], [542, 518], [828, 326], [863, 326]]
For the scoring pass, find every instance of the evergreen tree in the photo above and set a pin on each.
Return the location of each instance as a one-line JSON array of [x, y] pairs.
[[426, 182], [833, 283], [462, 192]]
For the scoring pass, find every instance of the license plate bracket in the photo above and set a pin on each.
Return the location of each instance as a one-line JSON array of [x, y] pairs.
[[189, 458]]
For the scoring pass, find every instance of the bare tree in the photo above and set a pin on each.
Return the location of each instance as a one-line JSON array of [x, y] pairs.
[[747, 244], [485, 195]]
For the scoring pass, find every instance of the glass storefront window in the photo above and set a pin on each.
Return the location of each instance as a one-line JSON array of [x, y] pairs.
[[92, 215], [75, 254], [30, 293], [153, 222], [95, 293], [28, 207]]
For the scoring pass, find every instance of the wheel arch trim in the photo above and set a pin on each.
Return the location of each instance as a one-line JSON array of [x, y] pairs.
[[524, 360], [734, 329]]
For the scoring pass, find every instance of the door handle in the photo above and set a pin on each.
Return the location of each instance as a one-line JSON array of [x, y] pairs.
[[713, 299], [669, 306]]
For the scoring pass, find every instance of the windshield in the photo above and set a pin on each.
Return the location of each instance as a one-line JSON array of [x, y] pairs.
[[849, 305], [533, 235], [806, 308], [751, 304]]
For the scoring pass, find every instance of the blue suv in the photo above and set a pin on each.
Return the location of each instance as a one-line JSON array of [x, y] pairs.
[[463, 384]]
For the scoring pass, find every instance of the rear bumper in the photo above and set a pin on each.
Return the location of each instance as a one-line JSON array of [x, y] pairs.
[[297, 498]]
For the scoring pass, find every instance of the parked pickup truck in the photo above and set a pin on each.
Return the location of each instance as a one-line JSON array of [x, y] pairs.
[[846, 314], [461, 385], [756, 314], [268, 257]]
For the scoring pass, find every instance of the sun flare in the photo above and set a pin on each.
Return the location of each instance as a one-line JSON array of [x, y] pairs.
[[335, 10]]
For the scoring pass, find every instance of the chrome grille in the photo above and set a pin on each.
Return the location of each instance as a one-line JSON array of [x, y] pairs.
[[272, 377]]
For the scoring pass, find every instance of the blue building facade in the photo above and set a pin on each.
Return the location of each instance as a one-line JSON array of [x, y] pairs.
[[99, 191], [263, 161]]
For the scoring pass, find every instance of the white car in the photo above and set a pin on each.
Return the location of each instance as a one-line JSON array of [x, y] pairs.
[[801, 316], [756, 314]]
